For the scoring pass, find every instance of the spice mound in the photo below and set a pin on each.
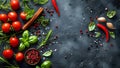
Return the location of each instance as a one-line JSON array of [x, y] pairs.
[[32, 56]]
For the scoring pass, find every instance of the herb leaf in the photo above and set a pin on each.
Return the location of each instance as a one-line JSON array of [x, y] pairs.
[[43, 1], [30, 12], [48, 53], [97, 34], [112, 34], [25, 34], [91, 26], [111, 13], [44, 41]]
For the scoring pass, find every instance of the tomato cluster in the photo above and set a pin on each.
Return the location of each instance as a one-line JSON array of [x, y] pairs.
[[11, 22]]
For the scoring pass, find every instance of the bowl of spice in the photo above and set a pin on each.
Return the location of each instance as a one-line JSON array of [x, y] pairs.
[[32, 56]]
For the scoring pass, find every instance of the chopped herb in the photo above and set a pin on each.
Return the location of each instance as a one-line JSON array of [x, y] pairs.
[[30, 12], [48, 53], [97, 34], [44, 41], [40, 1], [111, 13], [91, 26], [43, 21], [112, 34]]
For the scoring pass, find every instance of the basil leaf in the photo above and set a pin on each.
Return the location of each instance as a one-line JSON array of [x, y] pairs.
[[97, 34], [21, 47], [33, 39], [111, 13], [46, 64], [25, 34], [91, 26], [43, 1], [26, 44], [112, 34], [22, 40], [48, 53], [37, 66]]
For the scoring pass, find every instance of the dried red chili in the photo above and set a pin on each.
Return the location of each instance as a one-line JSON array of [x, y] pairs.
[[55, 6], [105, 30]]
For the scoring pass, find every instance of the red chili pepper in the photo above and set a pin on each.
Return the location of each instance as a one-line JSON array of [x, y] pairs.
[[55, 6], [105, 30]]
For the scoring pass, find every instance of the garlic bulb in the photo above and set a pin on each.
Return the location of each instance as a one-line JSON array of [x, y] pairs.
[[101, 19], [110, 25]]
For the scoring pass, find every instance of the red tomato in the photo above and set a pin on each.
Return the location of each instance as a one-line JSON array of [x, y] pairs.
[[17, 25], [23, 15], [3, 17], [14, 41], [8, 53], [19, 56], [12, 16], [15, 4], [6, 27]]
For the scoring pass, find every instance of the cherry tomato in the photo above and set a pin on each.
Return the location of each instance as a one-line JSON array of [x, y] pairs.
[[8, 53], [19, 56], [23, 15], [3, 17], [12, 16], [17, 25], [14, 41], [6, 27], [15, 4]]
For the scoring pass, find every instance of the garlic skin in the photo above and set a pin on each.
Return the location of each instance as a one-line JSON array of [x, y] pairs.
[[101, 19], [110, 25]]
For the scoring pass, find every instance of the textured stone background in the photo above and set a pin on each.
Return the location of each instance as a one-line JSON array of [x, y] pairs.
[[75, 16]]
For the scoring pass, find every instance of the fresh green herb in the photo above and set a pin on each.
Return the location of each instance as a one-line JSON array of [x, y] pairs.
[[91, 26], [48, 53], [111, 13], [40, 1], [43, 1], [43, 21], [2, 60], [26, 40], [44, 41], [37, 66], [46, 64], [21, 47], [30, 12], [4, 5], [33, 39], [112, 34], [97, 34]]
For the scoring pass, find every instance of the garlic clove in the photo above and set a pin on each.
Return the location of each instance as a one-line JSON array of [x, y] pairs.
[[101, 19], [110, 25]]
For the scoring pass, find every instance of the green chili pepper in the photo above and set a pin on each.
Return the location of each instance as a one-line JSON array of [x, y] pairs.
[[46, 64], [21, 47], [33, 39], [26, 44], [25, 34]]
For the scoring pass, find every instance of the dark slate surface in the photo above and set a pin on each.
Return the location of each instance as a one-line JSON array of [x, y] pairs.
[[72, 48]]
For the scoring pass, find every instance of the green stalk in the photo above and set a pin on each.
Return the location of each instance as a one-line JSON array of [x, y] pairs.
[[45, 40]]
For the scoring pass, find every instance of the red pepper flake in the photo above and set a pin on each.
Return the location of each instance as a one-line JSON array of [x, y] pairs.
[[111, 45], [81, 32]]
